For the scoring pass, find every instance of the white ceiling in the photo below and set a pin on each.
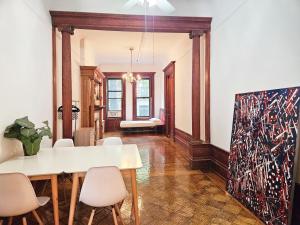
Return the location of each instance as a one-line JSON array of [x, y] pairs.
[[112, 47], [182, 7]]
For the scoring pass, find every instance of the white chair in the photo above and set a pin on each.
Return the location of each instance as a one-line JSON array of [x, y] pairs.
[[60, 143], [112, 141], [102, 187], [63, 143], [18, 197]]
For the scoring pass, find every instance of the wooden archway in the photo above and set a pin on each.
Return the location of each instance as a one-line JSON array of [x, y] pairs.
[[195, 27]]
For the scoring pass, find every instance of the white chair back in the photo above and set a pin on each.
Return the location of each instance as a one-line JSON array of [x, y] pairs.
[[112, 141], [63, 143], [103, 186], [17, 195]]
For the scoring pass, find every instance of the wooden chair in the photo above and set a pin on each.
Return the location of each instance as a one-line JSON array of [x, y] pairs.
[[18, 197], [103, 187]]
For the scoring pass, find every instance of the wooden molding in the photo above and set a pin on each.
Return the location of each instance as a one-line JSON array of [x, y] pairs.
[[195, 33], [121, 22], [219, 158], [196, 98], [150, 76], [66, 29], [207, 87], [54, 87], [169, 93], [182, 138], [67, 85]]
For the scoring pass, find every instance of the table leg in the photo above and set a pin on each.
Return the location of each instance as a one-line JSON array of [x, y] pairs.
[[135, 196], [54, 190], [73, 198]]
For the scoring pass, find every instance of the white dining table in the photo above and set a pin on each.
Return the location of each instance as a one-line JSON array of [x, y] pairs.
[[50, 162]]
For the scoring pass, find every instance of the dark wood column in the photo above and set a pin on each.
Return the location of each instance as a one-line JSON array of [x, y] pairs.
[[195, 36], [207, 87], [66, 32]]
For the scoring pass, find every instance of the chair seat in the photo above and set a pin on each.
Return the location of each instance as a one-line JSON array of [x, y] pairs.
[[43, 200]]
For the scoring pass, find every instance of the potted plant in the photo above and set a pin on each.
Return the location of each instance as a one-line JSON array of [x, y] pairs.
[[31, 137]]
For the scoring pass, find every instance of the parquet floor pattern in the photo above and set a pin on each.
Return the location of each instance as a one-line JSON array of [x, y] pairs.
[[169, 192]]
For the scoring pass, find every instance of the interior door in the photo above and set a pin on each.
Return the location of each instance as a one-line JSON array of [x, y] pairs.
[[170, 99]]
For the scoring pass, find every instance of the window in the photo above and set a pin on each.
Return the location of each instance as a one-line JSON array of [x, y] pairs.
[[114, 97], [143, 98]]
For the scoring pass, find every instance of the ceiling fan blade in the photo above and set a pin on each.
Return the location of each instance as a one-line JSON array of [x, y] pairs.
[[165, 6], [129, 4]]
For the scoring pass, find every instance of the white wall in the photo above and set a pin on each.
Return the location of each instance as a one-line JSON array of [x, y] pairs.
[[255, 46], [182, 55], [26, 65], [158, 84]]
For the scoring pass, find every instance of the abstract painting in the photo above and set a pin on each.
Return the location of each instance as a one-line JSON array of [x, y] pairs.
[[263, 149]]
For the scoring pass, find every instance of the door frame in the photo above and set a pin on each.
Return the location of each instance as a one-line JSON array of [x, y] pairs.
[[169, 71]]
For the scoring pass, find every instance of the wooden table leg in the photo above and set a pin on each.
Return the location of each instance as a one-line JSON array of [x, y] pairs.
[[73, 198], [54, 189], [135, 196]]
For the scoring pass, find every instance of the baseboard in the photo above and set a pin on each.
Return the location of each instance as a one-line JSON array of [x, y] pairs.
[[219, 158], [182, 138]]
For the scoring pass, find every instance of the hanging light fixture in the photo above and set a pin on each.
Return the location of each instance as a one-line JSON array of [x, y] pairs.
[[129, 76]]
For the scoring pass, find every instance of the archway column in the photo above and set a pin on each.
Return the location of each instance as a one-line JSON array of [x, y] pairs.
[[66, 32]]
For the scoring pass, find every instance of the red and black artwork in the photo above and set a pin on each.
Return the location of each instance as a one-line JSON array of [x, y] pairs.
[[263, 149]]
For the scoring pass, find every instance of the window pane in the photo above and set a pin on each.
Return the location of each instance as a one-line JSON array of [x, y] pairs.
[[142, 107], [115, 94], [115, 104], [143, 88], [114, 85]]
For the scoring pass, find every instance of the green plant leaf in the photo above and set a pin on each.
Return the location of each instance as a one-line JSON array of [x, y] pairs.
[[12, 131], [46, 123], [45, 131], [27, 132], [24, 122], [31, 148]]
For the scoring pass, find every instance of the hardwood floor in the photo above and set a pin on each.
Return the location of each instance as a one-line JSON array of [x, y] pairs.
[[169, 192]]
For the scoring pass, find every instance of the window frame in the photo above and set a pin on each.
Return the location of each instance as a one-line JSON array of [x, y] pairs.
[[115, 76], [150, 76]]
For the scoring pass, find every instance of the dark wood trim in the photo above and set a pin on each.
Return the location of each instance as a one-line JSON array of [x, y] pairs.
[[196, 98], [219, 158], [54, 87], [169, 73], [121, 22], [182, 138], [207, 87], [200, 154], [148, 75], [67, 82]]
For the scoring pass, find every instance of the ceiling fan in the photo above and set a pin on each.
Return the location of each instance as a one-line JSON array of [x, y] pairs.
[[164, 5]]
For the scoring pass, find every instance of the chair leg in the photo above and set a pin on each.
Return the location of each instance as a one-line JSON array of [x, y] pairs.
[[37, 217], [114, 216], [132, 210], [24, 221], [10, 220], [119, 214], [91, 217]]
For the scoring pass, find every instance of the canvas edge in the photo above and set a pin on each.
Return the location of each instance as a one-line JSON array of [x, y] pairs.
[[295, 172]]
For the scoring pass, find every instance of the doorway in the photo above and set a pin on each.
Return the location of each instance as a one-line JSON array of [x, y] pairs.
[[169, 73]]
